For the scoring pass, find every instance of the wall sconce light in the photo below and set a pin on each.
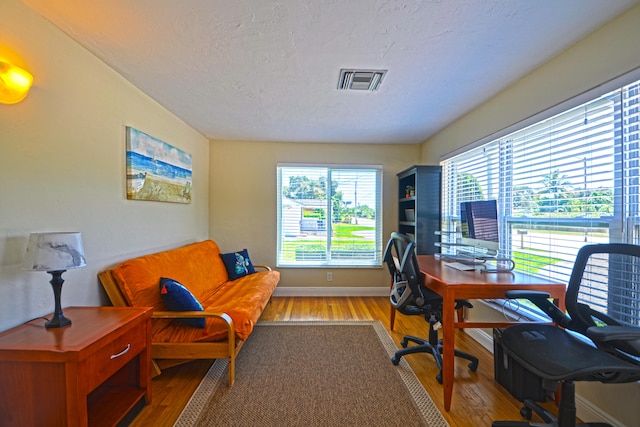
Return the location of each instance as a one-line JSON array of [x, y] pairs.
[[14, 83], [55, 253]]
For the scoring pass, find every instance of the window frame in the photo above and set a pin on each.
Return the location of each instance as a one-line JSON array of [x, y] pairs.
[[355, 256], [623, 225]]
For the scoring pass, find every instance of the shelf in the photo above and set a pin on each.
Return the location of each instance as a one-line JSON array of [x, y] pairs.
[[419, 215], [110, 405]]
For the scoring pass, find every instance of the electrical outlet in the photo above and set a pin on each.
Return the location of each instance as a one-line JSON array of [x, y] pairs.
[[329, 276]]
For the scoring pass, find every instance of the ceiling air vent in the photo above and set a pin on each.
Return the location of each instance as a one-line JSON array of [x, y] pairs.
[[360, 79]]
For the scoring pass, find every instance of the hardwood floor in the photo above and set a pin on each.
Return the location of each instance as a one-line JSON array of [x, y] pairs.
[[477, 397]]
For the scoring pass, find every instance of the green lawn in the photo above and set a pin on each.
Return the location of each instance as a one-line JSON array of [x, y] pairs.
[[347, 230], [532, 263], [345, 239]]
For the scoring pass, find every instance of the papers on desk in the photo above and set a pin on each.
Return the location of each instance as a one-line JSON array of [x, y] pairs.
[[460, 266]]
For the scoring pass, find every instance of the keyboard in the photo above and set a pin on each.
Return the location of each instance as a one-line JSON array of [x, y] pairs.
[[460, 266]]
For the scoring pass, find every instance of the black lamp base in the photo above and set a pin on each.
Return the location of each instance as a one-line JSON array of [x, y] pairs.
[[57, 320]]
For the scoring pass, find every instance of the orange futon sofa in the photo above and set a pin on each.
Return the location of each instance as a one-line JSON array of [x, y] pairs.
[[231, 308]]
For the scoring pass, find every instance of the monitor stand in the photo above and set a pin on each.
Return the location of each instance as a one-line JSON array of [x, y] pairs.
[[487, 264], [498, 265]]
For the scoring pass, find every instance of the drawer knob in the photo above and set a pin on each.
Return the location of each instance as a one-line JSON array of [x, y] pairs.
[[123, 352]]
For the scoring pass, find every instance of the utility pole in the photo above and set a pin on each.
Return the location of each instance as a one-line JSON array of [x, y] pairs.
[[355, 199]]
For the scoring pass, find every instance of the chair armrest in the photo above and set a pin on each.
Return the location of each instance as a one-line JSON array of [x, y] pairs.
[[541, 300], [530, 295], [265, 267], [606, 320], [613, 333]]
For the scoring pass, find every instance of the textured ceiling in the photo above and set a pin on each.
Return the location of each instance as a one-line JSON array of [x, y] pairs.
[[260, 70]]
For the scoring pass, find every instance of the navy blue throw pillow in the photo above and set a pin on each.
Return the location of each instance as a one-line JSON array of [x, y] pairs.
[[178, 298], [238, 264]]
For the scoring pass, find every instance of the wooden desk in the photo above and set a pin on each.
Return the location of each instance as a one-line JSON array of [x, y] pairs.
[[91, 373], [453, 284]]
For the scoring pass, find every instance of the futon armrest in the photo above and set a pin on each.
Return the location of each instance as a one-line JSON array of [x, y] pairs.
[[231, 332], [613, 333], [190, 315], [265, 267]]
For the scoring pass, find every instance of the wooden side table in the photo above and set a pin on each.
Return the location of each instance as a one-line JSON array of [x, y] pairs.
[[91, 373]]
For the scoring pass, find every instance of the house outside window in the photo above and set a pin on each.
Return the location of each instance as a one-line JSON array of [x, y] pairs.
[[329, 215], [563, 182]]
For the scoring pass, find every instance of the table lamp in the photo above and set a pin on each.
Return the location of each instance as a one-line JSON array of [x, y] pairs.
[[55, 253]]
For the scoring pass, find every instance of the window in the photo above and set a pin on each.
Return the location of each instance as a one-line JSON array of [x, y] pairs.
[[329, 215], [563, 182]]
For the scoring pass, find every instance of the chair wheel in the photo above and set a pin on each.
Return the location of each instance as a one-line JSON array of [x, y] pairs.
[[526, 412], [395, 360], [473, 366], [404, 343], [439, 378]]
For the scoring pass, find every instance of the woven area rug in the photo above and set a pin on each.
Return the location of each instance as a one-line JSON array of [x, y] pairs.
[[313, 374]]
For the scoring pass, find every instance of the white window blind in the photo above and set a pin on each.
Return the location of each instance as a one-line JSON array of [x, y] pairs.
[[611, 285], [329, 215], [630, 176], [566, 181]]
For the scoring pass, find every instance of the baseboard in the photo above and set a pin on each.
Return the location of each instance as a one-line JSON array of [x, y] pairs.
[[588, 412], [483, 338], [331, 292]]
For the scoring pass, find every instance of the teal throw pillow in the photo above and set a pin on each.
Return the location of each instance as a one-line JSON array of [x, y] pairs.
[[238, 264], [178, 298]]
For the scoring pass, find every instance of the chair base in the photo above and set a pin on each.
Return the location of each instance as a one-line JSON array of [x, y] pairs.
[[434, 346], [566, 411]]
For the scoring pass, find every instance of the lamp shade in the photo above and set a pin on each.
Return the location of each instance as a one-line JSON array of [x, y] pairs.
[[54, 252]]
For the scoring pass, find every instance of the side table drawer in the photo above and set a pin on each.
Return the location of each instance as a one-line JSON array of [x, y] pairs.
[[114, 355], [91, 373]]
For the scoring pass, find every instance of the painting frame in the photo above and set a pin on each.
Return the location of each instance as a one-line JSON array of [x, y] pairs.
[[155, 170]]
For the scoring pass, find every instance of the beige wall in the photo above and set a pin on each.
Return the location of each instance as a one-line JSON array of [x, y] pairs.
[[600, 57], [243, 201], [62, 154], [62, 167]]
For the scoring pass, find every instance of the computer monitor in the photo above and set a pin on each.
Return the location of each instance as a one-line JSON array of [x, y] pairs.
[[479, 225]]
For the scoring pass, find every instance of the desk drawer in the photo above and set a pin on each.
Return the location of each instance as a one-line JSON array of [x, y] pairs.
[[113, 355]]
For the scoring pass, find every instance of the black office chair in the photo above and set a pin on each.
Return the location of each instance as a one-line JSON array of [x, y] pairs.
[[410, 297], [603, 305]]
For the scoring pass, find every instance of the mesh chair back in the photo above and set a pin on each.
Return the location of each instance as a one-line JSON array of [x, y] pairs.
[[604, 292], [407, 290]]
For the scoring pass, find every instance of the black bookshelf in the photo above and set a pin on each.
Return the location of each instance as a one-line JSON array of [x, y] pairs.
[[419, 212]]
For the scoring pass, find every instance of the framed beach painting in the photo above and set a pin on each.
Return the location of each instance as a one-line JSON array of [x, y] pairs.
[[156, 170]]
